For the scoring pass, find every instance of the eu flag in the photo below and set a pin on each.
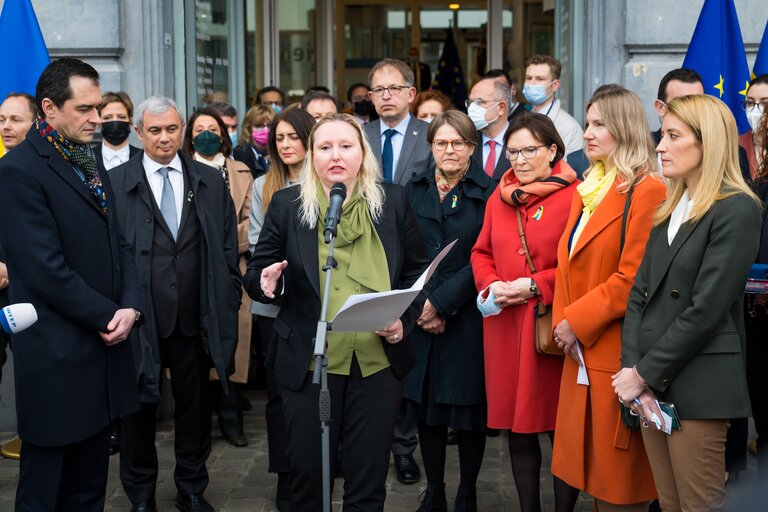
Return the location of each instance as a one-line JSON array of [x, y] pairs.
[[24, 54], [449, 78], [761, 61], [717, 53]]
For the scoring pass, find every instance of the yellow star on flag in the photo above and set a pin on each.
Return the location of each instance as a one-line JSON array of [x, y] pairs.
[[719, 86], [744, 92]]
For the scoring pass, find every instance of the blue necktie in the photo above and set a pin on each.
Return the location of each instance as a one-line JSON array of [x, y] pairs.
[[168, 203], [388, 156]]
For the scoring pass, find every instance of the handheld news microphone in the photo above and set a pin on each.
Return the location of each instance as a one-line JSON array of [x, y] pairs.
[[333, 213], [17, 317]]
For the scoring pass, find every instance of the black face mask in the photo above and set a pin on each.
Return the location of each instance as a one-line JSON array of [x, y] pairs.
[[363, 107], [115, 132]]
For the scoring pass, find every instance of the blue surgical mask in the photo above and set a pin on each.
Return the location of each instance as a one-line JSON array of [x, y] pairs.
[[487, 305], [535, 94], [233, 138], [277, 108]]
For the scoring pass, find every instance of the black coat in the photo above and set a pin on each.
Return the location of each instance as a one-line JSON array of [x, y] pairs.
[[455, 358], [245, 154], [283, 237], [72, 264], [502, 165], [219, 271]]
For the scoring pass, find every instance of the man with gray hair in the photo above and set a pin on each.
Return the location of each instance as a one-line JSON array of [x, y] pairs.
[[179, 218], [488, 107]]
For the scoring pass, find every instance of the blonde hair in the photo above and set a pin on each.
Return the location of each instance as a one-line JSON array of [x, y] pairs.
[[715, 130], [624, 116], [368, 178]]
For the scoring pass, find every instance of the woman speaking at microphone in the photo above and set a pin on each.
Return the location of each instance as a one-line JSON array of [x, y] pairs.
[[378, 248]]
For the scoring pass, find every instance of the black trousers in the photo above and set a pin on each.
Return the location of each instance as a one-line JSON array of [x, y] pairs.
[[189, 367], [64, 478], [363, 412], [757, 377], [276, 430], [230, 408]]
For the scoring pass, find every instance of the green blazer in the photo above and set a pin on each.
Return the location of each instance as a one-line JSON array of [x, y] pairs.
[[684, 327]]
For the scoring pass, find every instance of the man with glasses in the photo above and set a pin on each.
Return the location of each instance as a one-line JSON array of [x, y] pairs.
[[398, 139], [488, 107]]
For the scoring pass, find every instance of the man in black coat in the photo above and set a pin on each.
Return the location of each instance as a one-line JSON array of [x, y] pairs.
[[179, 217], [65, 256]]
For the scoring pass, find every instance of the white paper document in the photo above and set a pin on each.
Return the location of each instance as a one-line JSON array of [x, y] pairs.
[[368, 312], [582, 377]]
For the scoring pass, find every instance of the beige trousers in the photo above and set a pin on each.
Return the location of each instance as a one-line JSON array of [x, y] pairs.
[[689, 466]]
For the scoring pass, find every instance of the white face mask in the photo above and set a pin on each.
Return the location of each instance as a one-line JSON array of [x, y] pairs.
[[754, 115], [477, 114]]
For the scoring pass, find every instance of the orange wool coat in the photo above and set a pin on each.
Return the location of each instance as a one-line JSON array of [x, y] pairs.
[[592, 450]]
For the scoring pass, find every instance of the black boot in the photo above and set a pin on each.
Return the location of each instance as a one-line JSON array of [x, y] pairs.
[[433, 499], [466, 500]]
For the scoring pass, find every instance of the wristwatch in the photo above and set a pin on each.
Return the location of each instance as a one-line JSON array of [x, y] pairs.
[[139, 316], [534, 289]]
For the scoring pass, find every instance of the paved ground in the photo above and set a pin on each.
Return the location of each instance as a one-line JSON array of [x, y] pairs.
[[240, 481]]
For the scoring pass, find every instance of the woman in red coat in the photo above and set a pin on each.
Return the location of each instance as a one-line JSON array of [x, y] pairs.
[[521, 385]]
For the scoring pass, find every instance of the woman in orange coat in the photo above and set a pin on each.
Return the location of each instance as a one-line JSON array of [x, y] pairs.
[[593, 450]]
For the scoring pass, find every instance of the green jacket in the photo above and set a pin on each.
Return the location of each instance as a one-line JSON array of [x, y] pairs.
[[684, 327]]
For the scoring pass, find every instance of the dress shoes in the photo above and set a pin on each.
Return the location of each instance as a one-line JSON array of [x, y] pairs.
[[145, 506], [237, 441], [114, 442], [192, 503], [408, 471], [453, 437]]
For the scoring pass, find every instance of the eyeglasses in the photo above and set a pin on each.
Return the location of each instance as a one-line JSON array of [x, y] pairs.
[[480, 102], [393, 90], [748, 105], [527, 153], [442, 145]]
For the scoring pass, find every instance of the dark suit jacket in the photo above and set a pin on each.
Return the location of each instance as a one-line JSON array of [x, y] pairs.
[[219, 272], [579, 162], [245, 154], [283, 237], [132, 150], [502, 165], [72, 264], [684, 327], [415, 154]]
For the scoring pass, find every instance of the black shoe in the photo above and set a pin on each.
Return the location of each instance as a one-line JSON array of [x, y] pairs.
[[245, 405], [237, 441], [433, 499], [145, 506], [283, 492], [466, 500], [453, 437], [114, 442], [192, 503], [408, 471]]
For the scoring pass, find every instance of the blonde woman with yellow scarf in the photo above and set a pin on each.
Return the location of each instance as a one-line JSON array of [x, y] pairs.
[[593, 450]]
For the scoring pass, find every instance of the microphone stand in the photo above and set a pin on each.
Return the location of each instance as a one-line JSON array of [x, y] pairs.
[[320, 375]]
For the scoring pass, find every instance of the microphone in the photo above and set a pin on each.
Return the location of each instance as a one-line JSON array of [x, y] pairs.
[[333, 213], [17, 317]]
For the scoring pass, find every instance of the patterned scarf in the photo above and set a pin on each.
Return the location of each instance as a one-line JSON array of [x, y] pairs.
[[443, 186], [80, 156], [515, 194]]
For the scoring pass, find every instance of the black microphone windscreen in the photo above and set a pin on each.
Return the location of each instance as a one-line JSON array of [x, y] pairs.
[[338, 189]]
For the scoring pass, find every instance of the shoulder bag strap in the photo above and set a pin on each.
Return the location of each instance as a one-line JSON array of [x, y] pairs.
[[522, 239], [624, 216]]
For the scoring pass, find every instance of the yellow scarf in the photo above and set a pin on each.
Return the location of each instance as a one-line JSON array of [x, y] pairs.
[[592, 190]]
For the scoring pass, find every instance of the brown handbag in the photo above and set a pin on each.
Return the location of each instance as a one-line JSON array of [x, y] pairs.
[[543, 340]]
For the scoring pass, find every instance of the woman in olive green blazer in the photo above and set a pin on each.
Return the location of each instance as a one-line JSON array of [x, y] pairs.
[[683, 339]]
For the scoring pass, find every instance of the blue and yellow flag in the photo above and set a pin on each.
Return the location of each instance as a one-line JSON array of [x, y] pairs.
[[761, 61], [717, 53], [24, 53], [449, 78]]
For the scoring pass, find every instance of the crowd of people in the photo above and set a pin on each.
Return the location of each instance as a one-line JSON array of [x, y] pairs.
[[595, 293]]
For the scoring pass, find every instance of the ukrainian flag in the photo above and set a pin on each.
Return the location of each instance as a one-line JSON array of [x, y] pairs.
[[761, 62], [717, 53], [24, 53]]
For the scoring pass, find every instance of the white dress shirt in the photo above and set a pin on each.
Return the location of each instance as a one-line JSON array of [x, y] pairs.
[[112, 158], [397, 140], [680, 214], [155, 180]]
